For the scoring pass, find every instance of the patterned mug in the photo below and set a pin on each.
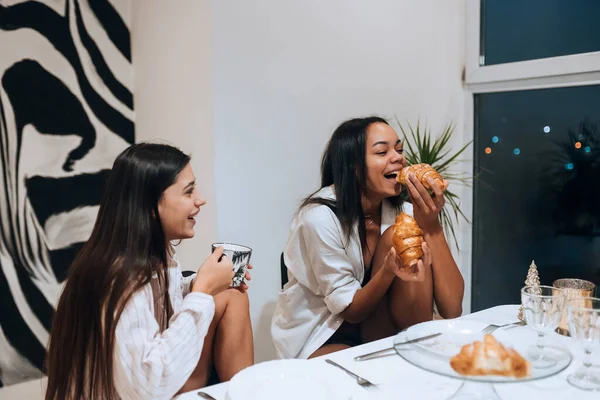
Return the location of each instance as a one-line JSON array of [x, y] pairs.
[[239, 256]]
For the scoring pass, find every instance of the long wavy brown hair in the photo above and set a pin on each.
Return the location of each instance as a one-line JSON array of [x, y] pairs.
[[127, 246]]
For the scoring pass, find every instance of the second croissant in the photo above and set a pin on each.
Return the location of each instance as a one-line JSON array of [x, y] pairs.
[[408, 239]]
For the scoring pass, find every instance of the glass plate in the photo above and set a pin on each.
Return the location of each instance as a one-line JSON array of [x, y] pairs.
[[435, 355], [454, 335]]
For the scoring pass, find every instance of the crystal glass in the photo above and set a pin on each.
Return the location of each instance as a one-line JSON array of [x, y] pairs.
[[543, 307], [584, 326]]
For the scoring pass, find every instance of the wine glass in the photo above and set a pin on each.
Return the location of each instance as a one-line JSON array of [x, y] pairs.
[[543, 307], [583, 314]]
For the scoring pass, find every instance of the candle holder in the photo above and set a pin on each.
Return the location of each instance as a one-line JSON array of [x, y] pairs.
[[572, 288]]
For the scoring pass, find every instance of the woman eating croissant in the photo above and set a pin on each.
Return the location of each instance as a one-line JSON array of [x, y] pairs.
[[362, 264]]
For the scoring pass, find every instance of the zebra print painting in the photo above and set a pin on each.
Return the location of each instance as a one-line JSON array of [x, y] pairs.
[[66, 111]]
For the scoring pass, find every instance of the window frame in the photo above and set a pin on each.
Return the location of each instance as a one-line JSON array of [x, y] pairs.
[[553, 72]]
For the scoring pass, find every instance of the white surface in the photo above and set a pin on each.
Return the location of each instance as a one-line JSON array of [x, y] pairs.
[[393, 375], [289, 379]]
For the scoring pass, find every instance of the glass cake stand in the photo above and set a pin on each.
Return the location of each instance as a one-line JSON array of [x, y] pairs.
[[434, 355]]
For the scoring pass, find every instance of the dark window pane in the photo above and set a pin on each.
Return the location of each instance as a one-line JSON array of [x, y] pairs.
[[518, 30], [537, 190]]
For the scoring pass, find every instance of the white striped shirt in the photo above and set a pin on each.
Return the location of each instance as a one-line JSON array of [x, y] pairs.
[[148, 363]]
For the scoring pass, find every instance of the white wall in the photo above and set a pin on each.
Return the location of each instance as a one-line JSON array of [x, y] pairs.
[[286, 73], [173, 97]]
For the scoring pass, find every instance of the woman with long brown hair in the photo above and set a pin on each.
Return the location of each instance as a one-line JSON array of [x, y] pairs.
[[128, 325]]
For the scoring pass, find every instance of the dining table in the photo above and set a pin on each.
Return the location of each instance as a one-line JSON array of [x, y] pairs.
[[396, 378]]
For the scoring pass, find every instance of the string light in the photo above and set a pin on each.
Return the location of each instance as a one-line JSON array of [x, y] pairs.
[[495, 139], [577, 145], [588, 149], [517, 151], [546, 129], [488, 150], [569, 166]]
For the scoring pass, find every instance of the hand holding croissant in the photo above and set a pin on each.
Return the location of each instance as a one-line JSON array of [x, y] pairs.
[[408, 240], [423, 172], [426, 189], [409, 254]]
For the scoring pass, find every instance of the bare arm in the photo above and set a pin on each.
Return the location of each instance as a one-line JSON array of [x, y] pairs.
[[448, 283]]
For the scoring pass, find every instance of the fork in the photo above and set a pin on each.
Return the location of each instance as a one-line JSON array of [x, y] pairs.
[[492, 327], [359, 379]]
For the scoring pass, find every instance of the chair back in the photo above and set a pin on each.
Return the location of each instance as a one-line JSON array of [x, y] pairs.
[[284, 271]]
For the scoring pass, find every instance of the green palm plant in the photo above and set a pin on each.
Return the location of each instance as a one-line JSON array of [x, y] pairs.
[[421, 147]]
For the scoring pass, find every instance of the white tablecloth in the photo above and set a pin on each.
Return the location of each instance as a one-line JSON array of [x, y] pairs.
[[398, 379]]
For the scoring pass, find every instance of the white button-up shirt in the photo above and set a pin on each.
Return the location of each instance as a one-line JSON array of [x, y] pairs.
[[324, 274], [150, 363]]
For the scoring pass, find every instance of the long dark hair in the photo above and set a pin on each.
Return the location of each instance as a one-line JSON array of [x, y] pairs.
[[344, 166], [127, 246]]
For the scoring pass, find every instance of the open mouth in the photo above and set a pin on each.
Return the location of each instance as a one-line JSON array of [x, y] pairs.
[[193, 216], [391, 175]]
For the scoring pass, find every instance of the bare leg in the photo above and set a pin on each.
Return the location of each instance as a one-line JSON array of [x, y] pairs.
[[328, 349], [234, 343], [379, 324], [411, 303], [405, 303], [228, 343]]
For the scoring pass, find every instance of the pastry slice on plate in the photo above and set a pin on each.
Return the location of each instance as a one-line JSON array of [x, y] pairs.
[[490, 357]]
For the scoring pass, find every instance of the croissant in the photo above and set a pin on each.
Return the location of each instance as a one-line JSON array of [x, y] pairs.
[[408, 238], [490, 358], [423, 173]]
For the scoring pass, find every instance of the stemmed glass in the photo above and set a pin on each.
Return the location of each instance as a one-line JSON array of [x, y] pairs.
[[543, 306], [584, 326]]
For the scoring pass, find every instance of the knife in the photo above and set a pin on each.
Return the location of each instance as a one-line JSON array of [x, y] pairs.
[[206, 396], [390, 350]]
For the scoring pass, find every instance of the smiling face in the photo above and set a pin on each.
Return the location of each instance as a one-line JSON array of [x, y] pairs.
[[179, 205], [384, 160]]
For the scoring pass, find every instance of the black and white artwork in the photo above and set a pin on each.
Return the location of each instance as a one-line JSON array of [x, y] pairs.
[[66, 111]]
